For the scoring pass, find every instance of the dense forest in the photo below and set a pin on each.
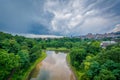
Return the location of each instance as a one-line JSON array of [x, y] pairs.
[[87, 59], [94, 63], [17, 53]]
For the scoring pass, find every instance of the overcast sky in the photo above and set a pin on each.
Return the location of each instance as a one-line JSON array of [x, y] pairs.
[[59, 17]]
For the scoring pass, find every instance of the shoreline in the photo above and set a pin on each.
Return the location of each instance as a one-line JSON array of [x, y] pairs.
[[71, 67], [27, 73], [58, 49]]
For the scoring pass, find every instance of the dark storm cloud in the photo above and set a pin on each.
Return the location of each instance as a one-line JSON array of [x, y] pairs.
[[61, 17], [20, 15]]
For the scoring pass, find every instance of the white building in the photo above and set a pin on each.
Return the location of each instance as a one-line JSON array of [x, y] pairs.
[[106, 43]]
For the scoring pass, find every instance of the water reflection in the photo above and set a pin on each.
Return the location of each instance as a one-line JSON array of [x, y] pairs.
[[54, 67]]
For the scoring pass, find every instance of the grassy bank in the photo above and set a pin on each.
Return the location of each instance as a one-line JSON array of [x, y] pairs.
[[58, 49], [77, 73], [26, 73]]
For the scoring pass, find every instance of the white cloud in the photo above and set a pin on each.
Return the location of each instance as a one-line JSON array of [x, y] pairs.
[[75, 17], [37, 36], [117, 28]]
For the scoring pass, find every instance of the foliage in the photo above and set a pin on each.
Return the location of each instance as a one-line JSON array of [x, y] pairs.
[[8, 63], [77, 56], [89, 60], [96, 63], [17, 53]]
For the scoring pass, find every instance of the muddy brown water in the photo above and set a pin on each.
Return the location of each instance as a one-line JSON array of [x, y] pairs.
[[53, 67]]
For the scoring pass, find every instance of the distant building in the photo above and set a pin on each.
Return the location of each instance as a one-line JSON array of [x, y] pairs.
[[104, 44], [115, 35], [90, 36]]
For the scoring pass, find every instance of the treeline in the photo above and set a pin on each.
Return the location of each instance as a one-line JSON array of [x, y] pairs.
[[17, 53], [91, 62], [62, 42], [88, 59]]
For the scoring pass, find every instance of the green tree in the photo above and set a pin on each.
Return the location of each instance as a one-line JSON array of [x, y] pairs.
[[93, 47], [14, 46], [35, 52], [24, 58], [77, 56], [105, 75], [8, 63], [68, 45]]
